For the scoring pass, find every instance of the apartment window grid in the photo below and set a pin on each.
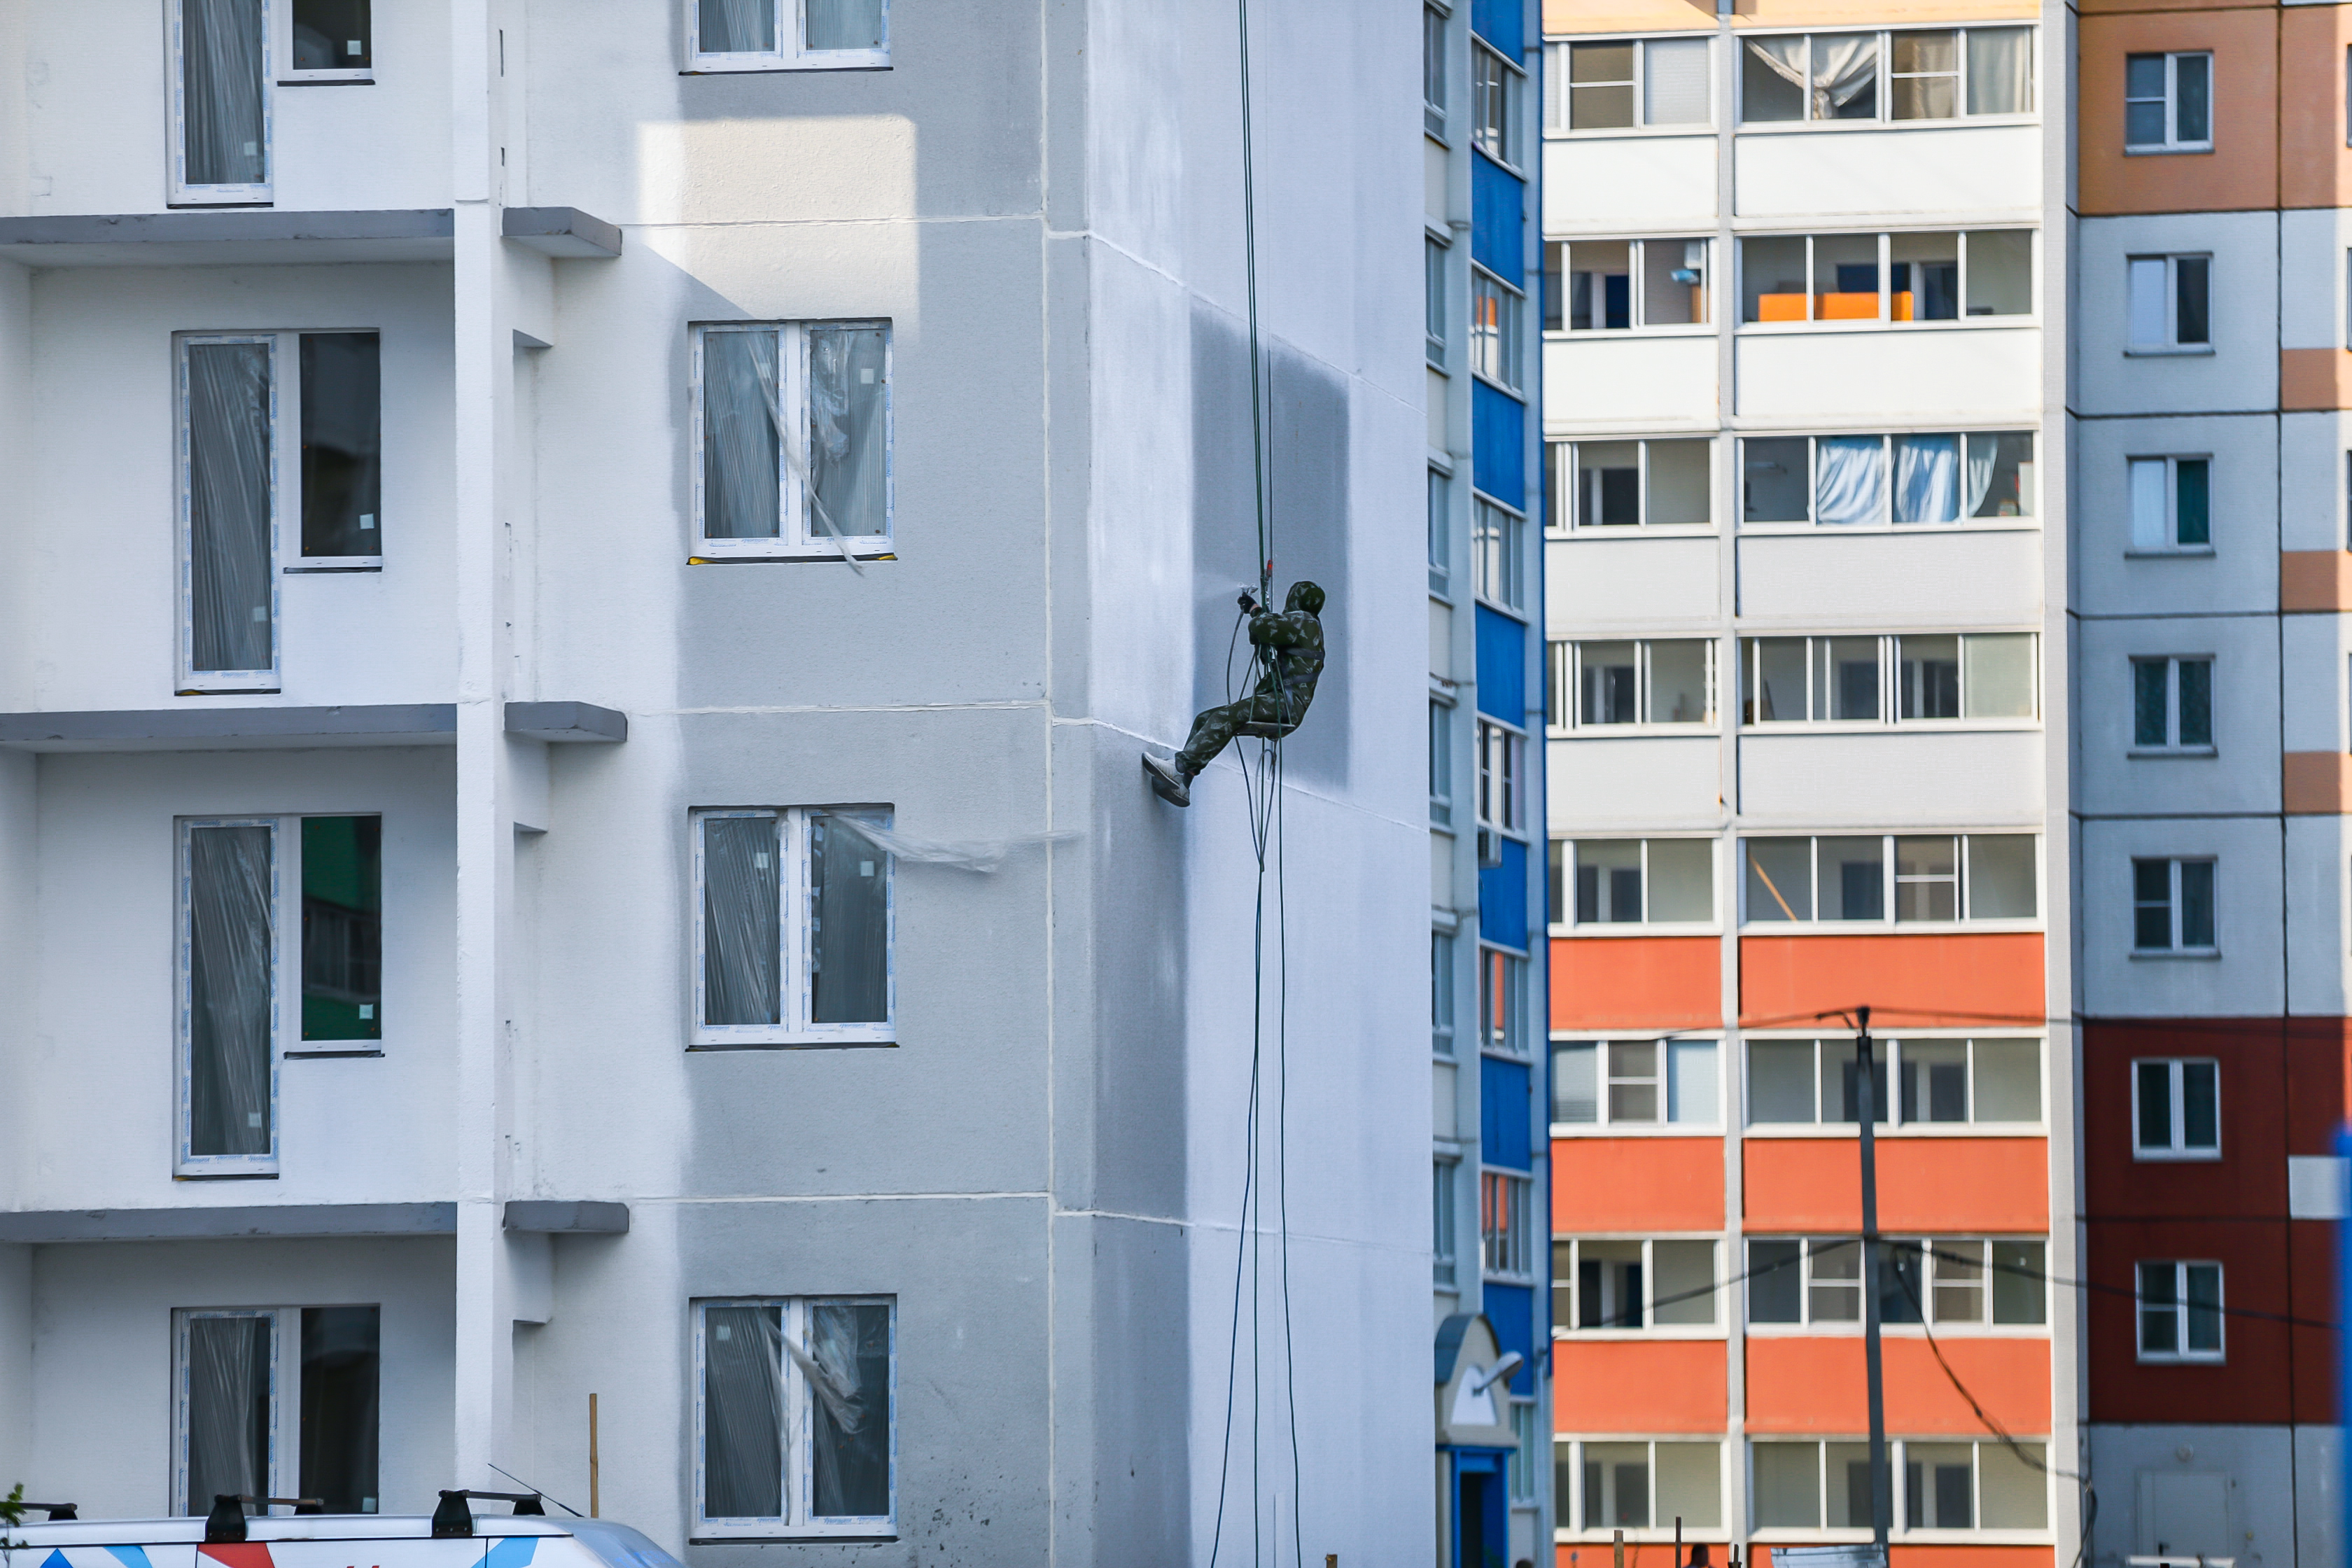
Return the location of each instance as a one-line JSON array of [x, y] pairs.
[[1966, 1283], [1941, 1486], [1441, 533], [1935, 1082], [1434, 314], [2173, 906], [1985, 478], [2172, 704], [1506, 1227], [1631, 484], [2171, 500], [1645, 1489], [1524, 1468], [2168, 304], [793, 440], [275, 1401], [1895, 879], [792, 926], [787, 35], [1642, 681], [1496, 85], [2177, 1109], [1654, 1286], [795, 1417], [1912, 280], [1625, 285], [2179, 1312], [324, 41], [1433, 20], [1877, 76], [1638, 881], [1502, 777], [1442, 1011], [2168, 103], [1671, 1085], [1622, 84], [1904, 679], [1498, 330], [1498, 553], [1442, 1210], [1441, 763], [1503, 1003]]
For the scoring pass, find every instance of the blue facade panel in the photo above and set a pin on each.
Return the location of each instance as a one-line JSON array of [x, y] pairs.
[[1504, 1088], [1499, 215], [1502, 900], [1511, 1309], [1498, 444], [1502, 23], [1502, 667]]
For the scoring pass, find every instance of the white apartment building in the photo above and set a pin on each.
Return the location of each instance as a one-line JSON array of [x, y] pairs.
[[577, 845]]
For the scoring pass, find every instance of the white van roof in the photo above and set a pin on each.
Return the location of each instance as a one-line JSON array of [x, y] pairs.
[[325, 1541]]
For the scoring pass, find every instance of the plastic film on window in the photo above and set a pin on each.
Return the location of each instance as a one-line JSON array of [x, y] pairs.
[[740, 498], [740, 911], [737, 27], [850, 939], [229, 566], [742, 1413], [229, 984], [228, 1408], [847, 1365], [221, 91]]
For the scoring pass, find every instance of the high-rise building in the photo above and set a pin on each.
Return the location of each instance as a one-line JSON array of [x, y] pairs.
[[1929, 390], [574, 877], [1489, 1192]]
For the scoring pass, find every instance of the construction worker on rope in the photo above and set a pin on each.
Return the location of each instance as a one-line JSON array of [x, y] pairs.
[[1290, 644]]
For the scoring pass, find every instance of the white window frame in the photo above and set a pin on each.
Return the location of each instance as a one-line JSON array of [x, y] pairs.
[[1526, 1426], [1886, 519], [789, 53], [1498, 355], [183, 193], [1444, 993], [1498, 550], [1445, 1221], [285, 1400], [1637, 290], [1666, 1124], [1507, 1254], [800, 535], [2170, 541], [281, 40], [2171, 745], [1571, 1525], [1891, 1120], [1927, 1249], [1886, 289], [2177, 1149], [1889, 894], [1503, 977], [1890, 667], [1883, 88], [1556, 98], [2172, 142], [2180, 1308], [1650, 1328], [798, 1522], [1898, 1455], [2135, 276], [2178, 947], [1502, 787], [795, 1027], [1436, 16], [1567, 689], [1443, 786], [285, 961], [1644, 926], [1512, 86], [1567, 493], [1436, 283]]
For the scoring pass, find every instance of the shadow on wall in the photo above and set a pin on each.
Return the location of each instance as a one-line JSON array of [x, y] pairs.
[[1308, 442]]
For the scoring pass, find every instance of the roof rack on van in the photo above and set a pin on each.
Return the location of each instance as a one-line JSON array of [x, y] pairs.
[[453, 1517], [59, 1513], [227, 1520]]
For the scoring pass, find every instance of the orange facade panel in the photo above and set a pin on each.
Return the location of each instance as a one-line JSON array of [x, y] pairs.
[[2314, 380], [1636, 1186], [2314, 163], [1639, 1385], [1815, 1384], [2317, 784], [1922, 1557], [1960, 979], [2240, 173], [1650, 982], [1926, 1186], [2315, 581]]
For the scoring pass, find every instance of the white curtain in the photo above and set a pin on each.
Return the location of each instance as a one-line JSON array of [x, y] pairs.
[[1844, 67], [742, 1413], [845, 24], [1849, 480], [737, 27], [741, 908], [848, 431], [850, 947], [228, 1409], [1784, 57], [1927, 478], [220, 82], [228, 506], [847, 1365], [740, 479], [230, 944], [2000, 70], [1983, 452]]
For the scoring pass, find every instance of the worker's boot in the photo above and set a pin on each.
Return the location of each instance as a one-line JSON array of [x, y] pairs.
[[1167, 781]]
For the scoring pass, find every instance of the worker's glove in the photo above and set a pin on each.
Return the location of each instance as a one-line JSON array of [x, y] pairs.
[[1248, 604]]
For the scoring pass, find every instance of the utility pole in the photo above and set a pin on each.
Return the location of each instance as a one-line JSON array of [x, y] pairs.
[[1865, 1096]]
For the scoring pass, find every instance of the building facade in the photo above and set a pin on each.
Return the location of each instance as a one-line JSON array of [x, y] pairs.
[[1481, 104], [1929, 390], [577, 904]]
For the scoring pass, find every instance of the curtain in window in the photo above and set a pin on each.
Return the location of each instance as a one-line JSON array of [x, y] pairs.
[[847, 1365], [742, 1413], [228, 1409], [1984, 452], [850, 900], [1850, 480], [1844, 67], [737, 27], [220, 83], [847, 397], [1784, 57], [229, 990], [739, 476], [1927, 478], [844, 23], [741, 876], [228, 506], [2000, 70]]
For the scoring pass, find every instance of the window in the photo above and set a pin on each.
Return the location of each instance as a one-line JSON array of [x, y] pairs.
[[1886, 278], [275, 1403], [1938, 1485], [2172, 906], [1925, 75], [1635, 1083], [1441, 533], [1956, 1281], [2179, 1312], [236, 483], [1502, 777], [792, 439], [326, 40], [1937, 1082], [792, 927], [1441, 993], [1432, 70], [2172, 704], [1875, 481], [1800, 681], [220, 104], [1506, 1225], [1632, 1285], [1524, 1461], [1634, 484], [1502, 1002], [1433, 261], [2168, 304], [1640, 882], [343, 933], [1441, 1219], [2168, 104], [1499, 551], [786, 35], [1609, 1486], [1617, 86], [794, 1405], [1497, 312], [2176, 1109], [1616, 285], [1645, 683], [2171, 504], [1925, 877], [1495, 85], [1441, 763]]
